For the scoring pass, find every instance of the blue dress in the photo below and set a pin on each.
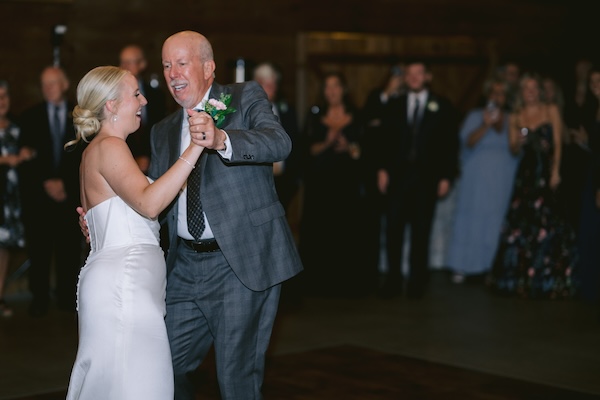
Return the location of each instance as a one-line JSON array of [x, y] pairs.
[[482, 198], [537, 256]]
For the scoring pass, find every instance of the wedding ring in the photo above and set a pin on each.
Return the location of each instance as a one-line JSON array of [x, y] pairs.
[[203, 136]]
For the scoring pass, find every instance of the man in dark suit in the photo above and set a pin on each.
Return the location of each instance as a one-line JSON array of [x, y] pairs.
[[419, 164], [226, 265], [133, 59], [286, 172], [49, 184]]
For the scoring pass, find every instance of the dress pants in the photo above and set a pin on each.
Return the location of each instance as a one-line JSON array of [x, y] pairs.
[[208, 305], [411, 202]]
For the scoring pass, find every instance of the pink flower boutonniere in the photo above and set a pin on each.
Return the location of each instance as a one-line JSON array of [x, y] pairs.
[[218, 109]]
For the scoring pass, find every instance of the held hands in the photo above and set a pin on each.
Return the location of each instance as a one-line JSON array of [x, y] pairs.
[[203, 131]]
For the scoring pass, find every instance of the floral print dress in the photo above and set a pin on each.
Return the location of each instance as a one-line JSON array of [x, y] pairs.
[[11, 228], [536, 256]]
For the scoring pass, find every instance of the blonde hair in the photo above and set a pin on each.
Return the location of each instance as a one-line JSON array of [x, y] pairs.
[[98, 86]]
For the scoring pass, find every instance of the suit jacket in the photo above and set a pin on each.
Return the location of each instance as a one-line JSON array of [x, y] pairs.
[[437, 140], [36, 134], [238, 196]]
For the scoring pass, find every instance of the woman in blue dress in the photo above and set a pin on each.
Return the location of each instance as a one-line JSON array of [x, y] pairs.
[[484, 188], [537, 255]]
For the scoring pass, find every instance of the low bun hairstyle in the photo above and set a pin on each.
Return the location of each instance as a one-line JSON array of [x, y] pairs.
[[98, 86]]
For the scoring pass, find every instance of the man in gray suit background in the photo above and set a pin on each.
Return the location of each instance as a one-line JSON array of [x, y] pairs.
[[225, 267]]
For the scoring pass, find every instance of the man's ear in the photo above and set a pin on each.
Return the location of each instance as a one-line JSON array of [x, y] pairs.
[[209, 69]]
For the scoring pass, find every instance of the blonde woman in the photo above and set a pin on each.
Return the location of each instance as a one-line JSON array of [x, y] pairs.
[[536, 255], [123, 345]]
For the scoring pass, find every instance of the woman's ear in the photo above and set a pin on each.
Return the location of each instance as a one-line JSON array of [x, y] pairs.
[[111, 107]]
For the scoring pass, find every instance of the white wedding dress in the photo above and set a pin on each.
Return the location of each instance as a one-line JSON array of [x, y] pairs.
[[123, 349]]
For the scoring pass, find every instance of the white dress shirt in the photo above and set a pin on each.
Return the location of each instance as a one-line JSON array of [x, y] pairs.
[[412, 97], [182, 225]]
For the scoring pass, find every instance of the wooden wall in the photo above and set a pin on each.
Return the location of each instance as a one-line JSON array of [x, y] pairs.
[[463, 39]]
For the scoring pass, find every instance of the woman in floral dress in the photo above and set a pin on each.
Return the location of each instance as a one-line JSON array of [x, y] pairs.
[[536, 255], [11, 229]]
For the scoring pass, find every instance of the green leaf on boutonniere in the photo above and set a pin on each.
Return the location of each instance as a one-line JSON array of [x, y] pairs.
[[218, 109]]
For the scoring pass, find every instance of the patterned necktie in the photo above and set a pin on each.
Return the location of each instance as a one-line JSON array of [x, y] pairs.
[[195, 216], [57, 135]]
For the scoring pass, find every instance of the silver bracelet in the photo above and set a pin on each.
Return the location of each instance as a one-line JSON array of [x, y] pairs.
[[187, 162]]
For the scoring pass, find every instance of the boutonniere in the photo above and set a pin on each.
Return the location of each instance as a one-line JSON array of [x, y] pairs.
[[218, 109], [433, 106]]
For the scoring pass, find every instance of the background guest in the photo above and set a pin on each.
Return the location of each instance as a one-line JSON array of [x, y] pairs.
[[536, 257], [11, 227], [133, 59], [589, 227], [49, 184], [419, 163], [286, 173], [372, 112], [332, 216], [510, 72], [574, 157], [484, 188]]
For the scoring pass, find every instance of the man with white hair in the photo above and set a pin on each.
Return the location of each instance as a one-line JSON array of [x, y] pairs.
[[286, 172]]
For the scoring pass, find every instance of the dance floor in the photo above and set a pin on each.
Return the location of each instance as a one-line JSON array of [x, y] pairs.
[[356, 373]]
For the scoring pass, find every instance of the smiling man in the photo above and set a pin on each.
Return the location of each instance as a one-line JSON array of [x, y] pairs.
[[230, 246]]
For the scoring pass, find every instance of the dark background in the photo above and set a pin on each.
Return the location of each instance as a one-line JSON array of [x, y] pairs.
[[463, 40]]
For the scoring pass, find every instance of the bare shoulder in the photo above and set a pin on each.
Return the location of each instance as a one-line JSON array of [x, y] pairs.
[[553, 110]]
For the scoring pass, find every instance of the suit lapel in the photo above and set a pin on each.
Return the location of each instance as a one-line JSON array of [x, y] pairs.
[[174, 139]]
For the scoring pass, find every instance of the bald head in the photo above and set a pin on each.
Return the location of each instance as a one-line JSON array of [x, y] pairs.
[[132, 59], [188, 67], [54, 84]]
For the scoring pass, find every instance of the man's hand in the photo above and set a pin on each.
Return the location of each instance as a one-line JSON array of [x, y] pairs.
[[83, 225], [203, 131], [55, 188]]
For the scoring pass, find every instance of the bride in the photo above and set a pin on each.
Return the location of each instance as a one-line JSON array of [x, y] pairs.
[[123, 348]]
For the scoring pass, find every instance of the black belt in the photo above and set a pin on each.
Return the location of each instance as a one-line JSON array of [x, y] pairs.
[[203, 246]]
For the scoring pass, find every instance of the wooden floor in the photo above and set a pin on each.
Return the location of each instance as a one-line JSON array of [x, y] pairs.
[[458, 342], [355, 373]]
